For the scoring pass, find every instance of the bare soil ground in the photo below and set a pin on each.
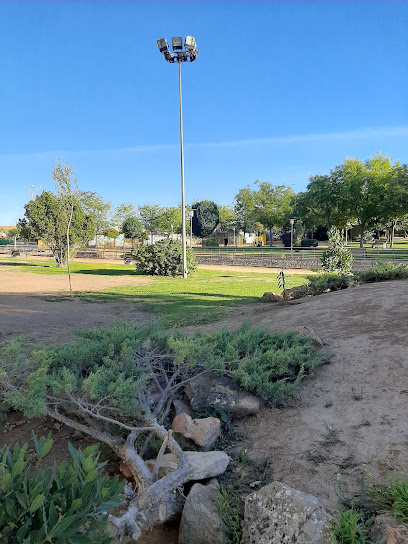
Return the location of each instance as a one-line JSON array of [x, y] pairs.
[[352, 412]]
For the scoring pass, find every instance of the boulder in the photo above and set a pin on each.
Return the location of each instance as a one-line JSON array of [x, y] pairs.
[[181, 407], [272, 297], [200, 520], [203, 432], [389, 530], [278, 514], [222, 392]]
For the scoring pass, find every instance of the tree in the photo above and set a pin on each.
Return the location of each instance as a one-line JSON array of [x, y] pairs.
[[273, 205], [150, 215], [169, 220], [228, 219], [46, 219], [164, 258], [96, 208], [394, 206], [244, 209], [111, 233], [337, 257], [132, 228], [121, 213], [206, 218], [12, 234]]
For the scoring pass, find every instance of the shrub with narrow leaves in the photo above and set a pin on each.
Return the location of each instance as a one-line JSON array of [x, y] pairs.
[[338, 257], [164, 258], [66, 504]]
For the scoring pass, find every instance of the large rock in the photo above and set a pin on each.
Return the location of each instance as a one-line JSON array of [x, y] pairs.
[[272, 297], [222, 392], [201, 464], [278, 514], [389, 530], [204, 432], [200, 521]]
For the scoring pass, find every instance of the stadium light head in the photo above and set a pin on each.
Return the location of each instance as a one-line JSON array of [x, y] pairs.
[[177, 44], [162, 45], [190, 43]]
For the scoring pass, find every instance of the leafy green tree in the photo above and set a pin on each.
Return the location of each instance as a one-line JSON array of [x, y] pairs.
[[228, 219], [150, 215], [112, 234], [121, 213], [394, 208], [337, 257], [132, 228], [273, 205], [244, 209], [12, 234], [96, 208], [47, 217], [206, 218], [169, 219]]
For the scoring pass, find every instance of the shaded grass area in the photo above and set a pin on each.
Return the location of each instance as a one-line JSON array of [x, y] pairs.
[[201, 298]]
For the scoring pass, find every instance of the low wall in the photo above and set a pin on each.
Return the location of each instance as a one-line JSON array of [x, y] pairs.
[[258, 260]]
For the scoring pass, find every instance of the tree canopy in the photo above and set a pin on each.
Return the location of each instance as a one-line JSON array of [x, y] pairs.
[[206, 218]]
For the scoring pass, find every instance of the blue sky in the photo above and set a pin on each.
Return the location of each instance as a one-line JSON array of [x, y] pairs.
[[280, 91]]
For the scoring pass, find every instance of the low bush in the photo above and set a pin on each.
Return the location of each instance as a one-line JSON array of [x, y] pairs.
[[66, 504], [164, 258], [324, 283], [383, 272], [309, 242], [210, 242]]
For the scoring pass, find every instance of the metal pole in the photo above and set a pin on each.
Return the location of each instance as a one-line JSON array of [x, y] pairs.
[[234, 237], [291, 239], [183, 208]]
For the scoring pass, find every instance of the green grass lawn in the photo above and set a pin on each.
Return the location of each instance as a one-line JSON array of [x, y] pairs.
[[203, 297]]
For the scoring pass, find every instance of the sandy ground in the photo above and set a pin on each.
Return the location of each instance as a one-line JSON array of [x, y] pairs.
[[354, 410], [13, 281]]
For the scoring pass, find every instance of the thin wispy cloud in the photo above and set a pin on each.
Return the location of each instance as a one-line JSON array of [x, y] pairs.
[[358, 134]]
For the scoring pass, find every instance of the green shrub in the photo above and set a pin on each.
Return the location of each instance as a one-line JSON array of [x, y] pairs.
[[164, 258], [393, 498], [349, 529], [308, 242], [324, 283], [383, 272], [65, 504], [210, 242], [338, 257]]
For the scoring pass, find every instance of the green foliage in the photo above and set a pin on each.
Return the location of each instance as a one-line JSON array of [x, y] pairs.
[[210, 242], [111, 233], [132, 228], [324, 283], [95, 207], [229, 506], [271, 365], [45, 219], [383, 272], [349, 528], [393, 498], [206, 218], [338, 257], [66, 504], [121, 213], [164, 258], [308, 242]]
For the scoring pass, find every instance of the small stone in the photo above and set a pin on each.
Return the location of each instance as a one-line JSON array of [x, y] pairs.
[[388, 530], [204, 432], [254, 484], [57, 426]]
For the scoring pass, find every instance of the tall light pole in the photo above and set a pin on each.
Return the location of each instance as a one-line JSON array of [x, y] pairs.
[[187, 54], [292, 222]]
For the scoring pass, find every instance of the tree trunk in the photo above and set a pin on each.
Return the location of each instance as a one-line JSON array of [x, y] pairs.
[[361, 235], [270, 236], [392, 233]]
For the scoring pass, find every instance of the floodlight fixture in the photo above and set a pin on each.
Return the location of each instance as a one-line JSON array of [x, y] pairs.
[[170, 57], [190, 43], [162, 45], [177, 44], [193, 55]]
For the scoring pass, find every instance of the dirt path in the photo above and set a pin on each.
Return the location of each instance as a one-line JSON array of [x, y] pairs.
[[354, 410]]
